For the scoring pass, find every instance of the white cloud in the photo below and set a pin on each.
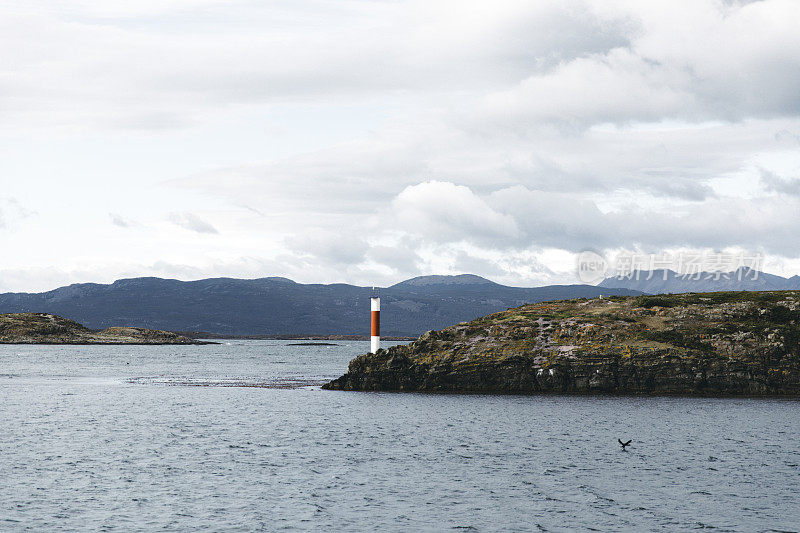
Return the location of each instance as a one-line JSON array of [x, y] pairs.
[[619, 86], [368, 141], [445, 212], [120, 221], [12, 212], [329, 247], [774, 183], [192, 222]]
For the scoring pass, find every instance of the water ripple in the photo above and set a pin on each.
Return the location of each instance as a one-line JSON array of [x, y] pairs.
[[240, 438]]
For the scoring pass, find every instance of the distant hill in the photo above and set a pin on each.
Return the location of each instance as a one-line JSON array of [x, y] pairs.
[[459, 280], [668, 281], [42, 328], [269, 306]]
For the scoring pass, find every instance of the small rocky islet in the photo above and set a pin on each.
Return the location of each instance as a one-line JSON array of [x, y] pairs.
[[698, 344], [45, 328]]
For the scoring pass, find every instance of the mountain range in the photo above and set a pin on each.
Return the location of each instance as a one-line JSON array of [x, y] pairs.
[[279, 306]]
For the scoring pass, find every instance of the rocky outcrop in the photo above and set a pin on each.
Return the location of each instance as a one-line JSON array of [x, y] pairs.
[[715, 344], [43, 328]]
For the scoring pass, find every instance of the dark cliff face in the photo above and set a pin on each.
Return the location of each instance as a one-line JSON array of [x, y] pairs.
[[692, 344]]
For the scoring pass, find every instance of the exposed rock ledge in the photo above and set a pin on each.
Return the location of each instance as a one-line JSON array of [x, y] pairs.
[[43, 328], [710, 344]]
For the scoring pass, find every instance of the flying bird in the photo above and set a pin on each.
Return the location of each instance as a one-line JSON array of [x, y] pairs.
[[623, 444]]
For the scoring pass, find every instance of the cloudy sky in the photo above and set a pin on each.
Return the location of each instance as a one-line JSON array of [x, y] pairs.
[[370, 141]]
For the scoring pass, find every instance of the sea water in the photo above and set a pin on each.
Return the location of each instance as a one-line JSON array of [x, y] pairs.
[[238, 436]]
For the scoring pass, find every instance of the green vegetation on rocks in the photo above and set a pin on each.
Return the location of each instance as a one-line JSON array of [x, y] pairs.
[[715, 344], [43, 328]]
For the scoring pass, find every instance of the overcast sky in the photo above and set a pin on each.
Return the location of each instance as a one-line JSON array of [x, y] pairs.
[[367, 142]]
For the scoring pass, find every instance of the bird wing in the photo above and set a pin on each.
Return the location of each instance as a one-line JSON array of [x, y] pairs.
[[627, 443], [618, 440]]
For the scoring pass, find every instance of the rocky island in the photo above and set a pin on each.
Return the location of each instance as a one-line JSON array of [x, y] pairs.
[[43, 328], [705, 344]]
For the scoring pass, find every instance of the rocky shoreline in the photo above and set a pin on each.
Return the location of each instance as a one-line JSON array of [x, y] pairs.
[[699, 344], [44, 328]]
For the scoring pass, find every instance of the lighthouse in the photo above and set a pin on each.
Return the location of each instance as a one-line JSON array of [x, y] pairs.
[[375, 316]]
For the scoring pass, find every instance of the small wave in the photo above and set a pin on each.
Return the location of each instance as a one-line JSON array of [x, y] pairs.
[[276, 383]]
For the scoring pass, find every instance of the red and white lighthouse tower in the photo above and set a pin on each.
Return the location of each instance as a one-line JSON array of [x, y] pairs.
[[375, 315]]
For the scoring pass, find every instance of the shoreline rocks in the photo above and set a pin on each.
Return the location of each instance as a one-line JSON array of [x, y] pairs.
[[699, 344], [44, 328]]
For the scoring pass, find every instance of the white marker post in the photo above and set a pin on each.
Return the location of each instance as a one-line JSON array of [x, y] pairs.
[[375, 304]]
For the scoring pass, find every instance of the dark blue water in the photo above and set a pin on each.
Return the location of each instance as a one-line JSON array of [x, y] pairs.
[[176, 438]]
